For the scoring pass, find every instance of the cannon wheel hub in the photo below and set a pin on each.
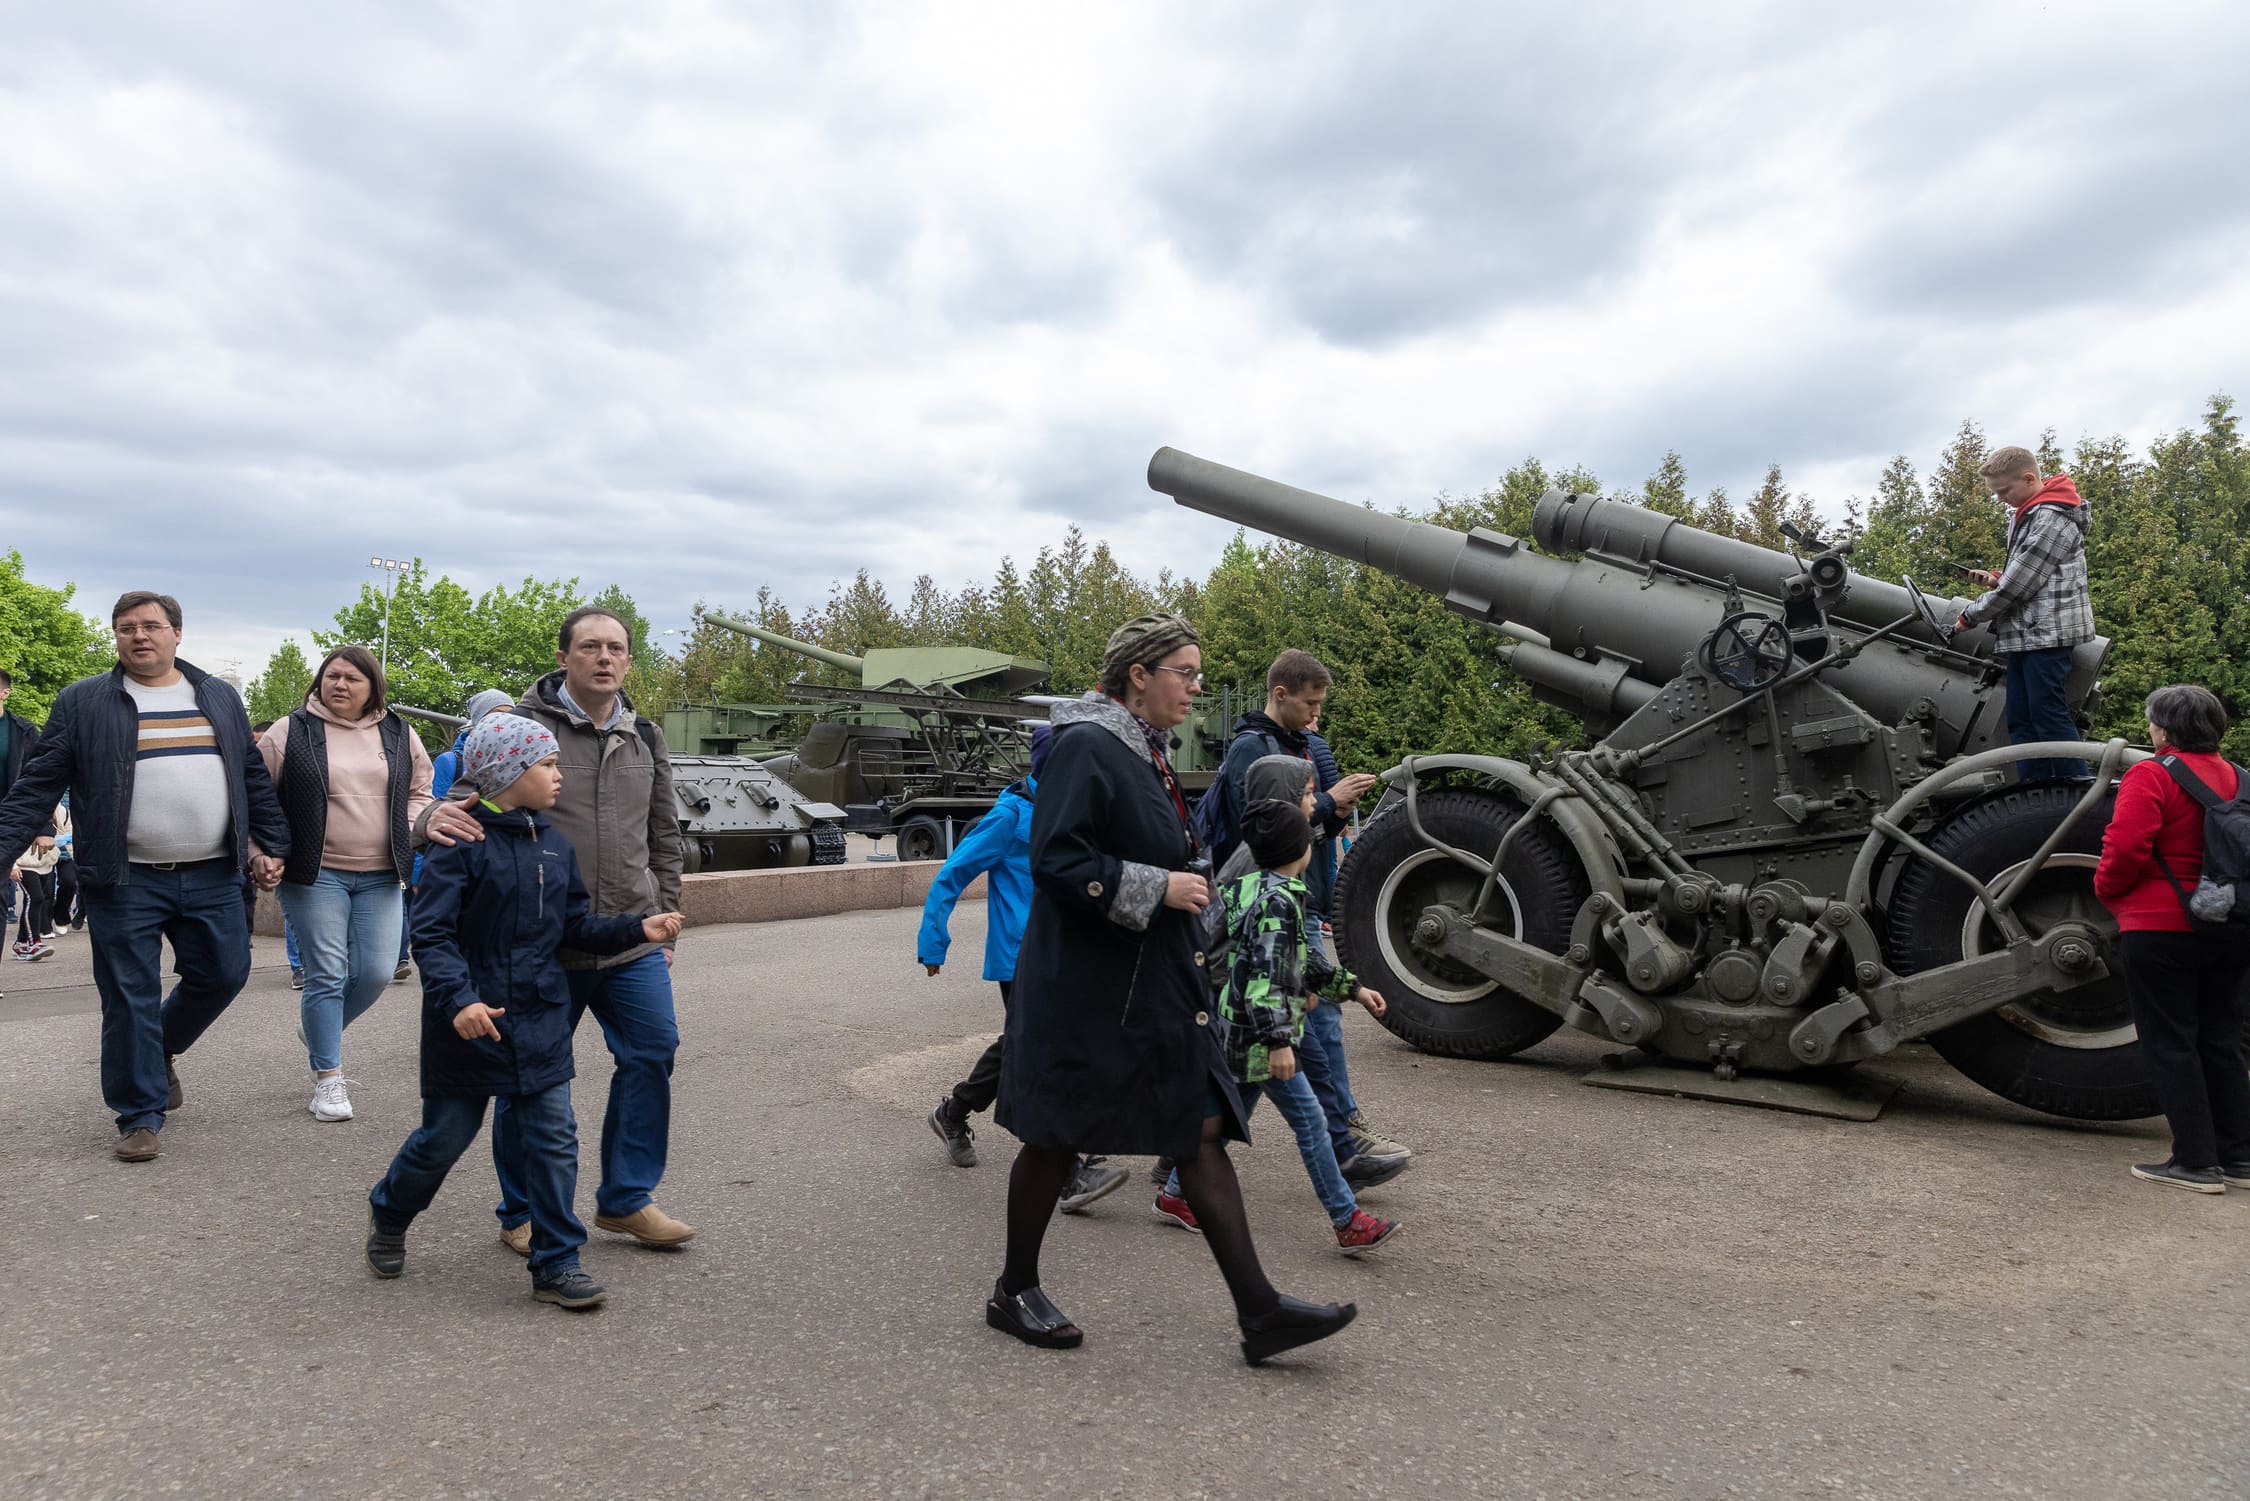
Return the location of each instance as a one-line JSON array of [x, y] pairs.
[[2063, 892], [1422, 880]]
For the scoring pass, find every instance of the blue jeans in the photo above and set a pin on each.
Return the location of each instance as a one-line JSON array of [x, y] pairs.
[[537, 1129], [199, 908], [2039, 709], [1294, 1099], [1320, 1057], [346, 923], [289, 942], [633, 1003]]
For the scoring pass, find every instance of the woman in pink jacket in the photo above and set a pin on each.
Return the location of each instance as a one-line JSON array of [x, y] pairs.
[[352, 779]]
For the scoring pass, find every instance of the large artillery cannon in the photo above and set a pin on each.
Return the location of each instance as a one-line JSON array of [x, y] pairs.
[[1795, 845]]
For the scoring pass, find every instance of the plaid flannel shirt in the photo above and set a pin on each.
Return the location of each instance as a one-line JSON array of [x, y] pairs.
[[2041, 600], [1273, 969]]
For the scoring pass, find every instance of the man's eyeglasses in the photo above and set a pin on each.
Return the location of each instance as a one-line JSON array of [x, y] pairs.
[[140, 630], [1194, 675]]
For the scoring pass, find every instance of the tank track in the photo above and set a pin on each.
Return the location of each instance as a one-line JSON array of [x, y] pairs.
[[828, 847]]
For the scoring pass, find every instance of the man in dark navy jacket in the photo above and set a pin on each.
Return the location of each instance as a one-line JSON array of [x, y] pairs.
[[166, 789]]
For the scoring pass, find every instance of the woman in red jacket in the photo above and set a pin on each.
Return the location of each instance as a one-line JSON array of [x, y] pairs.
[[2186, 986]]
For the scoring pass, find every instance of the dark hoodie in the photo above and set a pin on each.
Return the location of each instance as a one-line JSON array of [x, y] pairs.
[[1256, 734]]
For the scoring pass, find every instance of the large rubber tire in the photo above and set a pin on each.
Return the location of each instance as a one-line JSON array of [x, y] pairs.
[[1435, 1004], [2072, 1054], [921, 838]]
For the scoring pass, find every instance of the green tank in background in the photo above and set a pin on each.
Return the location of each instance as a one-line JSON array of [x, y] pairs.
[[1795, 845], [922, 748], [735, 814], [755, 730]]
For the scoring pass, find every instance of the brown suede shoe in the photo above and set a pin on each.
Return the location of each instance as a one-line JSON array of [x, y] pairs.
[[517, 1238], [650, 1226], [140, 1146]]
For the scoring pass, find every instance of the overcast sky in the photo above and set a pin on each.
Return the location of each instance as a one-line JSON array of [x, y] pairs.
[[698, 297]]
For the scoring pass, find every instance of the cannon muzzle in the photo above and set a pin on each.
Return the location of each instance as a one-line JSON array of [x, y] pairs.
[[842, 660], [1484, 574]]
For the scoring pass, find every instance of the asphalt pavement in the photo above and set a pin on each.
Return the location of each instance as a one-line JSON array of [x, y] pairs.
[[1597, 1295]]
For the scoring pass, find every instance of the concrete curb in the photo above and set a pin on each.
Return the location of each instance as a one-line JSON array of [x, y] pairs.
[[729, 896]]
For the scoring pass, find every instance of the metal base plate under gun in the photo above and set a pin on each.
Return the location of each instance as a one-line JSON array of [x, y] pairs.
[[1795, 845]]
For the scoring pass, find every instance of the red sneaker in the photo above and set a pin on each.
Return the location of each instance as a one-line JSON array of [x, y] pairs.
[[1363, 1233], [1174, 1210]]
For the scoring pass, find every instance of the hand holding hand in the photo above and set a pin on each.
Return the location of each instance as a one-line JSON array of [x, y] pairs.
[[1283, 1062], [1186, 891], [265, 872], [475, 1020], [1372, 1000], [662, 928], [453, 823], [1348, 791]]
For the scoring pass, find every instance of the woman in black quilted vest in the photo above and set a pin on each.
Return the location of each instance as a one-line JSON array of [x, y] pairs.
[[352, 779]]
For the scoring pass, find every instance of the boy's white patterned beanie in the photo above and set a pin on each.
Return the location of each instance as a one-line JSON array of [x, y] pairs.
[[501, 747]]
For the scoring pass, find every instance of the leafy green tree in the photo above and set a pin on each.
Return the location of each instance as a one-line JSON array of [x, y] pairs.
[[446, 644], [282, 686], [45, 644]]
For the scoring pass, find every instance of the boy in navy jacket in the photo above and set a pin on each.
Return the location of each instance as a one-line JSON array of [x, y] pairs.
[[488, 920]]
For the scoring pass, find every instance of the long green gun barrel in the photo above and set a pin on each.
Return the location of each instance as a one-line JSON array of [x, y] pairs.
[[450, 721], [843, 660], [1620, 619]]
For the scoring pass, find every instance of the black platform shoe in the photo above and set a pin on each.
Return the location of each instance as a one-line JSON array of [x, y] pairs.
[[1295, 1322], [1032, 1318]]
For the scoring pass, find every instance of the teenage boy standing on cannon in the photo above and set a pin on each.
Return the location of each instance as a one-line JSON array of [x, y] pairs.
[[2038, 605]]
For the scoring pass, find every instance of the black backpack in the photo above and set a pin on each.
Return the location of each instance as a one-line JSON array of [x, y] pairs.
[[2220, 903], [1214, 829]]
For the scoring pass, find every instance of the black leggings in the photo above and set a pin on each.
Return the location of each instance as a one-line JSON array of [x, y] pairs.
[[38, 903], [1207, 1182]]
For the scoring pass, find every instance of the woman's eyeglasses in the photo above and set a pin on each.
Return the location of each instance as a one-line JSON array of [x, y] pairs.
[[1194, 675]]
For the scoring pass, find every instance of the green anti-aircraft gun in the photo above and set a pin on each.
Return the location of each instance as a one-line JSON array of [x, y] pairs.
[[923, 748], [1795, 845]]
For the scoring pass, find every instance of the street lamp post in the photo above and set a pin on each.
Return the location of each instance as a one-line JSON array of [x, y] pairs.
[[390, 568]]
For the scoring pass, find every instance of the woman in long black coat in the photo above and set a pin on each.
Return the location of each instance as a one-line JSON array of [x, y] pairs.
[[1111, 1047]]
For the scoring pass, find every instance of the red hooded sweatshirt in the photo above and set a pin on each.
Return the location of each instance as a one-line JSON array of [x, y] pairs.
[[2060, 490]]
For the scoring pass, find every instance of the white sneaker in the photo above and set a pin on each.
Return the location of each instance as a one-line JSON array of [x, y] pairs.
[[329, 1102]]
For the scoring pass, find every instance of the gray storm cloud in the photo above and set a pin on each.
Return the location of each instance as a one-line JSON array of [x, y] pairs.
[[694, 300]]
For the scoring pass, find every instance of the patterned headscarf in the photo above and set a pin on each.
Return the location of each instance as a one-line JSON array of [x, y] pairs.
[[1143, 642], [502, 747]]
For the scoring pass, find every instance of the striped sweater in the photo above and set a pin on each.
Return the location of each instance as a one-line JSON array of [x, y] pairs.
[[180, 810]]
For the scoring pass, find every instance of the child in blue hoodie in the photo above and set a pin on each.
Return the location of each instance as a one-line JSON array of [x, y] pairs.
[[488, 922], [999, 849]]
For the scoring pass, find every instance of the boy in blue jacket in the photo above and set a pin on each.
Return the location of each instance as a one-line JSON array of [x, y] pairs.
[[488, 921], [999, 849]]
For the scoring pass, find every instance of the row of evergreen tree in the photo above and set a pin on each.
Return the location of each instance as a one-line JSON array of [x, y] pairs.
[[2169, 560]]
